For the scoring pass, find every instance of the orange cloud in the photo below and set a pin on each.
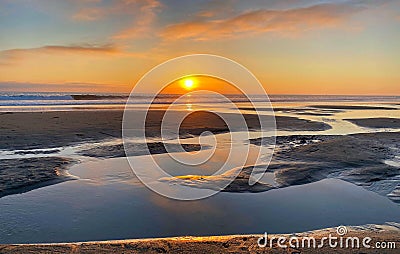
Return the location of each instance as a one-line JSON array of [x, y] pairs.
[[12, 86], [12, 55], [69, 49], [143, 13], [143, 22], [264, 21], [206, 14]]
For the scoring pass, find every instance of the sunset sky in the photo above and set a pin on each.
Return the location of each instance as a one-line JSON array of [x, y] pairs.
[[292, 46]]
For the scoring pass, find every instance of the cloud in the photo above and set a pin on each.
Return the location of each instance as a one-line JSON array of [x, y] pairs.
[[207, 14], [142, 24], [66, 49], [297, 20], [12, 86], [142, 14], [12, 55], [217, 8]]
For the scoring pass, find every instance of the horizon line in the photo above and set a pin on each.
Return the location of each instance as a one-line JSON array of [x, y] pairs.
[[128, 93]]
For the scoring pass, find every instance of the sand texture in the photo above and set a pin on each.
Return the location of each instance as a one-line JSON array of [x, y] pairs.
[[357, 158], [32, 130], [377, 122], [22, 175], [219, 244]]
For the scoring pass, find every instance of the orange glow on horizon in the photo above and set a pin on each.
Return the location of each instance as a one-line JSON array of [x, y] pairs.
[[199, 83]]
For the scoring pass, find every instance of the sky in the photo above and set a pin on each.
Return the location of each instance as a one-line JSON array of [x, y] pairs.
[[291, 46]]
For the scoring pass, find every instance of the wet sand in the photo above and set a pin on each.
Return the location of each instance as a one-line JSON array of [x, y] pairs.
[[25, 131], [34, 130], [138, 149], [301, 159], [357, 158], [22, 175], [352, 107], [376, 122], [298, 111], [224, 244]]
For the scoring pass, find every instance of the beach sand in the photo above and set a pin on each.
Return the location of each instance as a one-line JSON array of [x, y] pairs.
[[22, 175], [223, 244], [27, 131], [376, 122], [361, 159], [357, 158], [299, 159], [33, 130], [352, 107]]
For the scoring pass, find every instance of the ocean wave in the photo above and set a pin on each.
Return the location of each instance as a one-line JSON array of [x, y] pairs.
[[98, 97], [51, 99], [32, 97]]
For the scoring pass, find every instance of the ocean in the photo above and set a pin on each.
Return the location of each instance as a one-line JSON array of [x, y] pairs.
[[31, 101]]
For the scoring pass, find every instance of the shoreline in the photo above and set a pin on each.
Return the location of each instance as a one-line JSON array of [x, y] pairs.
[[388, 233]]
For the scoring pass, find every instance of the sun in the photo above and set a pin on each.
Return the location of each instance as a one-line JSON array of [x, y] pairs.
[[188, 84]]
